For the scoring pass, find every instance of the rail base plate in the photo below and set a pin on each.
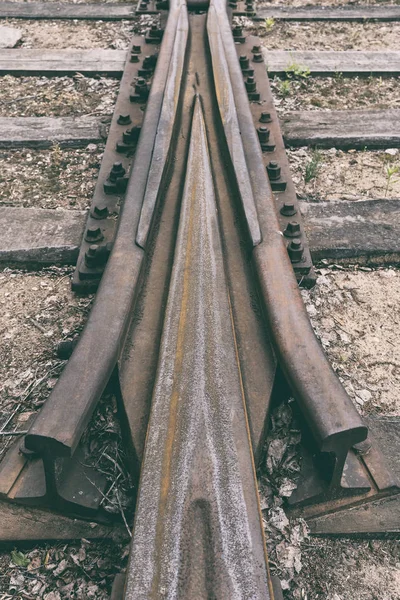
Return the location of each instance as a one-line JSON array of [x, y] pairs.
[[368, 501]]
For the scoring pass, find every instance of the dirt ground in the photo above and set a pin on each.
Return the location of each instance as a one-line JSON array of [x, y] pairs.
[[335, 93], [79, 33], [330, 3], [72, 34], [323, 175], [286, 35], [38, 310], [84, 1], [49, 178], [57, 96]]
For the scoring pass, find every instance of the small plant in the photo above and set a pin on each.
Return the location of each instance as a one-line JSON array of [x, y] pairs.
[[55, 167], [56, 156], [296, 71], [284, 88], [313, 166], [269, 23], [391, 171]]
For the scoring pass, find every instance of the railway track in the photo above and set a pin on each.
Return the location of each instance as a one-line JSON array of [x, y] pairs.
[[196, 247]]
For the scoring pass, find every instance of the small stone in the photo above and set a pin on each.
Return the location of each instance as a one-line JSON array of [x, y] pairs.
[[392, 151], [387, 274], [16, 581], [322, 280], [61, 568], [278, 519], [9, 37], [52, 596], [363, 396]]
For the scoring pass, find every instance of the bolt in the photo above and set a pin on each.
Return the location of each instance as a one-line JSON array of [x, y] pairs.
[[131, 135], [124, 120], [263, 134], [274, 170], [148, 62], [141, 86], [115, 179], [292, 230], [121, 146], [154, 32], [265, 117], [134, 58], [244, 62], [65, 348], [127, 136], [250, 84], [92, 250], [93, 234], [237, 31], [288, 210], [118, 169], [100, 211], [256, 49], [295, 250], [136, 49], [257, 57], [91, 255]]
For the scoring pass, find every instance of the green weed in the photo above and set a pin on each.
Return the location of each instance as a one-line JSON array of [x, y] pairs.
[[296, 71], [313, 166], [391, 171], [269, 23], [284, 88]]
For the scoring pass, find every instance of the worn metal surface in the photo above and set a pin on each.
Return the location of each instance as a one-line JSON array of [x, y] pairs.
[[197, 528], [142, 343], [227, 108], [166, 125], [276, 163]]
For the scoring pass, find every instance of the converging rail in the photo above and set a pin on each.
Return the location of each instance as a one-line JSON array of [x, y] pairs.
[[195, 242]]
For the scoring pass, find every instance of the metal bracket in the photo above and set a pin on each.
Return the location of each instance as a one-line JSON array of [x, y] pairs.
[[116, 163], [276, 163], [370, 473]]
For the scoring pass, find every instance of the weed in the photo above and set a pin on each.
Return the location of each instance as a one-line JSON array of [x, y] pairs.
[[316, 102], [294, 70], [55, 167], [284, 88], [391, 171], [313, 166], [269, 23]]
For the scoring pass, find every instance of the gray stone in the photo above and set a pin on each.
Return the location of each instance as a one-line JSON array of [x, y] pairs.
[[9, 37]]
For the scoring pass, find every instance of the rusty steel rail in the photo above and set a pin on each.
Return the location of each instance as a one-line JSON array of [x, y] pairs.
[[197, 311]]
